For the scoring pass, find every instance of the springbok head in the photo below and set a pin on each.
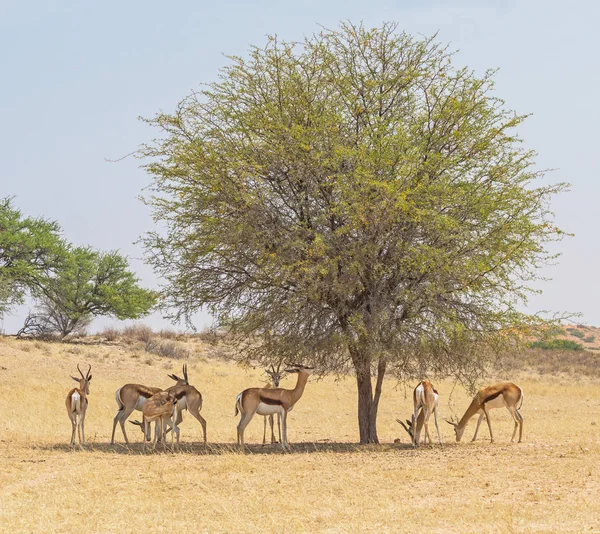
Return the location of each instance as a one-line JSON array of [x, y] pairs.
[[457, 431], [275, 374], [408, 427], [181, 381], [84, 381]]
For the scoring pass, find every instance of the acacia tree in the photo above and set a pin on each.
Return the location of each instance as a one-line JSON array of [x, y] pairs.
[[89, 284], [31, 249], [353, 199]]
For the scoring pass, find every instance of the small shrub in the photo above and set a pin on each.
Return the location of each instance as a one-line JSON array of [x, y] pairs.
[[556, 344], [167, 333], [578, 333], [110, 333], [167, 349], [138, 332], [589, 339]]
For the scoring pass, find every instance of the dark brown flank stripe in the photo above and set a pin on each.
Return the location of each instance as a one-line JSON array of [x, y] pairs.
[[267, 400], [492, 397]]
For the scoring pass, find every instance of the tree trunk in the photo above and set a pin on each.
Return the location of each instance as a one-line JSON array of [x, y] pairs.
[[368, 403]]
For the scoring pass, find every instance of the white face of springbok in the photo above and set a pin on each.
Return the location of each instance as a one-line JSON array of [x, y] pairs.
[[275, 374]]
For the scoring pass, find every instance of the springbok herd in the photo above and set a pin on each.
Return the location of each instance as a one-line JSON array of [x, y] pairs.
[[165, 408]]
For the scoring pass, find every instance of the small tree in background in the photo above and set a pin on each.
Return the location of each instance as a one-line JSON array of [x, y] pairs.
[[31, 250], [353, 199], [91, 284]]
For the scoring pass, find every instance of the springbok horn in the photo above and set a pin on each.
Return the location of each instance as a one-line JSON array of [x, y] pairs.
[[80, 372], [185, 374], [88, 371]]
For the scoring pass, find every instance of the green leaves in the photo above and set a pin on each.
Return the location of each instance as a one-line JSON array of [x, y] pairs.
[[352, 190], [71, 284], [30, 250], [90, 284]]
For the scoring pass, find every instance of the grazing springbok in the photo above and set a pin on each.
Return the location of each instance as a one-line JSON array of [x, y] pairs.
[[132, 397], [161, 407], [276, 375], [489, 398], [409, 427], [188, 398], [77, 403], [425, 398], [270, 401]]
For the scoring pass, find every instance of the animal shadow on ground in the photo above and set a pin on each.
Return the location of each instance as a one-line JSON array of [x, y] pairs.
[[217, 449]]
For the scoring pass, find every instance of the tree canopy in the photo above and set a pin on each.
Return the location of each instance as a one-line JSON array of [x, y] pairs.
[[71, 285], [91, 284], [31, 249], [352, 199]]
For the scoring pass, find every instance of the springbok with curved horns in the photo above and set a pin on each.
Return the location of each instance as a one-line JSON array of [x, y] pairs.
[[276, 375], [425, 398], [491, 397], [77, 404], [414, 431], [270, 401], [131, 397]]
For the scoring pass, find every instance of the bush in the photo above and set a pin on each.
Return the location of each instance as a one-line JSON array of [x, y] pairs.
[[577, 333], [167, 349], [138, 332], [589, 339], [110, 333], [167, 333], [556, 344]]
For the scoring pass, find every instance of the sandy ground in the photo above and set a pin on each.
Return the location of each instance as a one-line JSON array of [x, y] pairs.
[[328, 483]]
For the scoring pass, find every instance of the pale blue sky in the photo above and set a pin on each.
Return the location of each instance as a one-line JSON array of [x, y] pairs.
[[76, 75]]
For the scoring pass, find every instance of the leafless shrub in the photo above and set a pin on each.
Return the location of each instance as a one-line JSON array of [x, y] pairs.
[[211, 335], [138, 332], [167, 333], [167, 349], [554, 362], [38, 326], [110, 333]]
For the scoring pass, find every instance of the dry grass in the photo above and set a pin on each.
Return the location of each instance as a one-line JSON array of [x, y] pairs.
[[550, 483]]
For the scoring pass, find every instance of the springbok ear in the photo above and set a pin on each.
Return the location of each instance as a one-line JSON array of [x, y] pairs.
[[89, 378], [76, 379]]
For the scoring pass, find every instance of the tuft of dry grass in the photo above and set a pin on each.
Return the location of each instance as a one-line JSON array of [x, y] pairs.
[[328, 483]]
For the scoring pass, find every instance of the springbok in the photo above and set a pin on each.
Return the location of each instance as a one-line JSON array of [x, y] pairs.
[[188, 398], [161, 407], [425, 398], [270, 401], [489, 398], [132, 397], [276, 375], [77, 403]]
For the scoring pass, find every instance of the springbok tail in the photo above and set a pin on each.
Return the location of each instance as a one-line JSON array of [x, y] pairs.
[[118, 399], [75, 402], [238, 405], [522, 397]]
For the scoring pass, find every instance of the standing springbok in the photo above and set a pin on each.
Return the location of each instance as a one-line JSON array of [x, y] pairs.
[[425, 398], [132, 397], [161, 407], [270, 401], [188, 398], [489, 398], [276, 375], [77, 403]]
